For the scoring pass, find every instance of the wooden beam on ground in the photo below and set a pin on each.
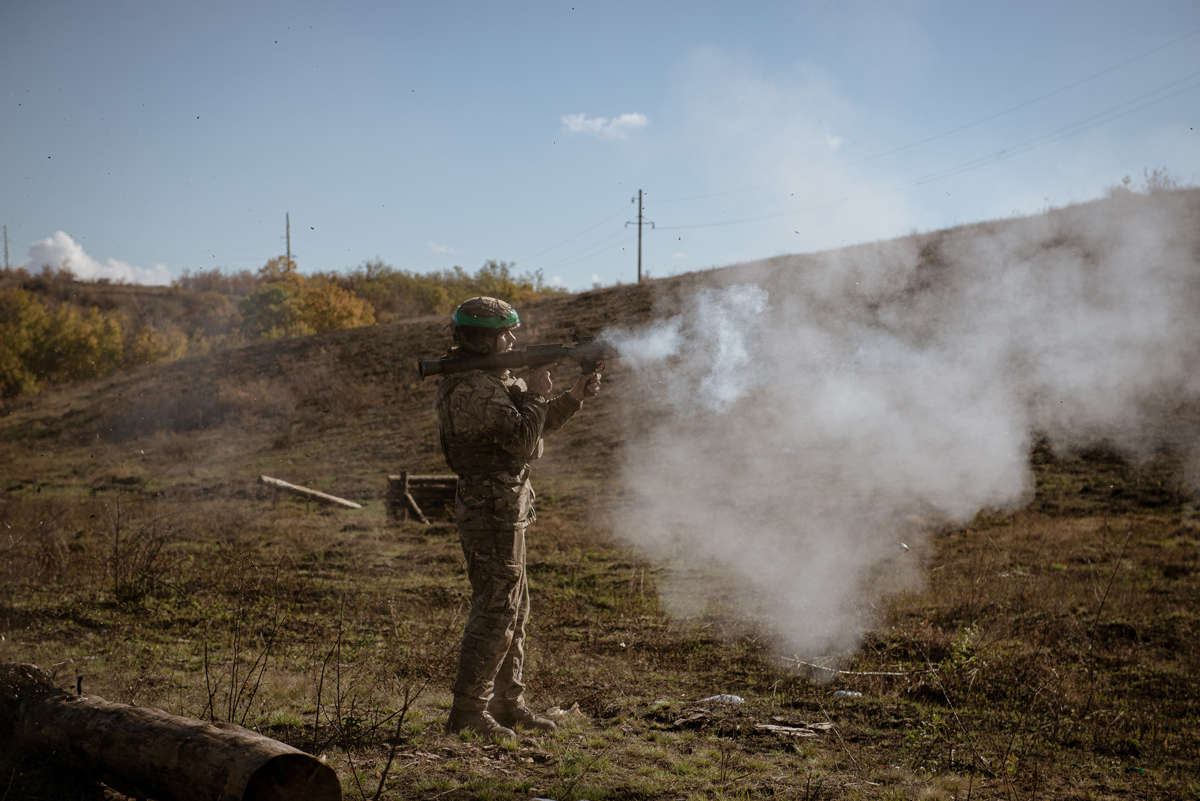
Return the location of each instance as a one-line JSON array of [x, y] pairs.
[[147, 753], [305, 492]]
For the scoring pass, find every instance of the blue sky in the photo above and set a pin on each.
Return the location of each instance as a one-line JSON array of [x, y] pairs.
[[140, 139]]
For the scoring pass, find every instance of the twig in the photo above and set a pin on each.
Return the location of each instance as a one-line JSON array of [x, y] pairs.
[[1096, 622], [839, 736], [848, 672], [208, 685], [409, 699], [957, 719], [11, 776]]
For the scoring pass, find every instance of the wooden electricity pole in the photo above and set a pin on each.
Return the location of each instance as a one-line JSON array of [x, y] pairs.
[[640, 221], [288, 220], [6, 247]]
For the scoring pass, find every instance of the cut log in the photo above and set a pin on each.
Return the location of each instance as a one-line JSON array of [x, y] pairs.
[[147, 753], [305, 492]]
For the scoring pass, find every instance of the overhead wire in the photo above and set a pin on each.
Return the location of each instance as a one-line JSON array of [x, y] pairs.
[[576, 236], [944, 134], [598, 252], [567, 259], [1086, 124], [1032, 144]]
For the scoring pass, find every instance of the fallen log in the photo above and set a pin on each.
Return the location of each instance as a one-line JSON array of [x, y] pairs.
[[305, 492], [147, 753]]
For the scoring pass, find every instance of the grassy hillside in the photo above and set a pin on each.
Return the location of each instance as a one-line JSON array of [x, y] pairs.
[[1051, 650]]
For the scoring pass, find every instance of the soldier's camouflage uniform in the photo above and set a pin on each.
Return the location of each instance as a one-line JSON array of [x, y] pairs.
[[491, 429]]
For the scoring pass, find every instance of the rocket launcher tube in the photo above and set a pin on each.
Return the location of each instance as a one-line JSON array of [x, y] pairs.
[[588, 354]]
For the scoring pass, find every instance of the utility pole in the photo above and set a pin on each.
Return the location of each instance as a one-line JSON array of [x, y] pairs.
[[288, 219], [6, 248], [640, 221]]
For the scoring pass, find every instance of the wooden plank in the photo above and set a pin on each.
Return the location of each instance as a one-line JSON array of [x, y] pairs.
[[305, 492], [416, 509]]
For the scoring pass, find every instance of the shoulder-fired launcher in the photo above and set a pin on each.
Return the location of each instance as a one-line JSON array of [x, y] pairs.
[[589, 354]]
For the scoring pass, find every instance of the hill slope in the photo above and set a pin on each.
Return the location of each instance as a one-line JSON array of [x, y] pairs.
[[949, 472]]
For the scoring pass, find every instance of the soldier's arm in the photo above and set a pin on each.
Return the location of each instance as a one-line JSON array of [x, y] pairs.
[[564, 407], [559, 411], [515, 425]]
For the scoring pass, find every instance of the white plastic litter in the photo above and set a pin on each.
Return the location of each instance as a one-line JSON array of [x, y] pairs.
[[847, 694], [723, 699]]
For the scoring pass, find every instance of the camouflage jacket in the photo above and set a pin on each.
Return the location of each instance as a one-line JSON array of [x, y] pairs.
[[491, 428]]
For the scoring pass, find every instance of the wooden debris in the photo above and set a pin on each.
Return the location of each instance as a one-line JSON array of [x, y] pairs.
[[305, 492], [147, 753], [407, 494]]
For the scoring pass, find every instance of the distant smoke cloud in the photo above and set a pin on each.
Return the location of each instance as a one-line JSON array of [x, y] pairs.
[[604, 127], [436, 248], [61, 251], [823, 410]]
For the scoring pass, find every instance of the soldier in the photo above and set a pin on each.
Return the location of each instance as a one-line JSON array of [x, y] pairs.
[[491, 427]]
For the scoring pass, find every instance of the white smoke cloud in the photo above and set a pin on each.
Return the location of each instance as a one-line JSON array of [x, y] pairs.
[[61, 251], [813, 416], [436, 248], [604, 127]]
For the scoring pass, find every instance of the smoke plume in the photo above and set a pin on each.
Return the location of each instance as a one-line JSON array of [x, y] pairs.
[[813, 418]]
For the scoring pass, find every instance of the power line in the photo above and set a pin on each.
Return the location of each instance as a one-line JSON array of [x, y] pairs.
[[565, 259], [951, 132], [597, 253], [571, 238], [1001, 155]]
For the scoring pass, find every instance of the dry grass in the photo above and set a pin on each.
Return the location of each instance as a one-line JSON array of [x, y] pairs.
[[1052, 652]]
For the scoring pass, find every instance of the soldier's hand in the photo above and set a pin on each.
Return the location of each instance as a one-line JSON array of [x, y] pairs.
[[586, 386], [539, 382]]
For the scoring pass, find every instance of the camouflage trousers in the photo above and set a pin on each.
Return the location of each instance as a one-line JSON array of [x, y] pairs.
[[493, 645]]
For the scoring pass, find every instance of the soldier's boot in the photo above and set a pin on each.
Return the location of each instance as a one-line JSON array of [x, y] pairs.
[[463, 718], [523, 716]]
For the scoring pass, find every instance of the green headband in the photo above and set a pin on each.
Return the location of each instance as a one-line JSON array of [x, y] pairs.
[[507, 321]]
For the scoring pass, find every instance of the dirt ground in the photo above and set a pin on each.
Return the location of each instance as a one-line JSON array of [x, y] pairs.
[[1050, 653]]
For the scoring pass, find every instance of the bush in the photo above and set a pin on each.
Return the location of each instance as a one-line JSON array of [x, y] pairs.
[[396, 293], [24, 323], [38, 344], [288, 304]]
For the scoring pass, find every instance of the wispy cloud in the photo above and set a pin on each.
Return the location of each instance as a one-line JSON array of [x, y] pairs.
[[61, 251], [604, 127], [436, 248], [557, 281], [834, 142]]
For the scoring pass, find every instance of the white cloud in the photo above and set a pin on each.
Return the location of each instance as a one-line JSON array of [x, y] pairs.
[[61, 251], [436, 248], [834, 142], [595, 279], [557, 281], [604, 127]]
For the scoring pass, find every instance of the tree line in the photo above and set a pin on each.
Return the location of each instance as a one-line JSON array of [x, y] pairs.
[[55, 328]]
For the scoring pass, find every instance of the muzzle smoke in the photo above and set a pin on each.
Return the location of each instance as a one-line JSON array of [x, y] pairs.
[[813, 414]]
